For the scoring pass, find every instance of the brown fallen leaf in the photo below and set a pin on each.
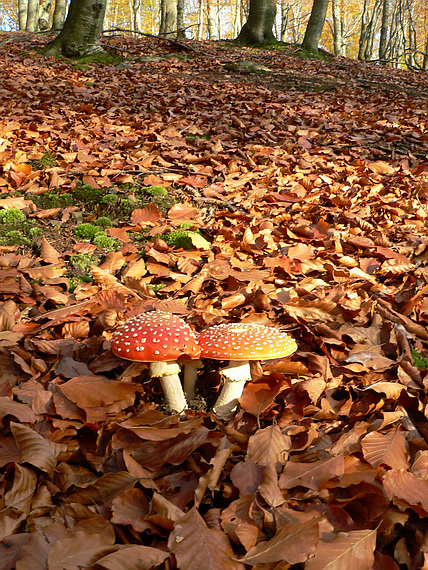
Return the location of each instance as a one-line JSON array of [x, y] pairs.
[[196, 546]]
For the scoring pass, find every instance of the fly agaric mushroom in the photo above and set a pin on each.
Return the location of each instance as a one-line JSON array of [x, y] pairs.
[[158, 338], [239, 343]]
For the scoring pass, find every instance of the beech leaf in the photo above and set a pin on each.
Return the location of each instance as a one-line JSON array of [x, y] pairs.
[[269, 445], [131, 557], [353, 549], [35, 449], [389, 449], [196, 546], [292, 543]]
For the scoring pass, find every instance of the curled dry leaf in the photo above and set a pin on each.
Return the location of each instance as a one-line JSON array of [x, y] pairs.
[[48, 252], [76, 330]]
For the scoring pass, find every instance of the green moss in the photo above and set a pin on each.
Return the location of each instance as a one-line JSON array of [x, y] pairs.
[[86, 231], [103, 241], [11, 216], [44, 161], [196, 137], [87, 194], [81, 261], [419, 361], [127, 206], [103, 221], [180, 239], [14, 237], [109, 199], [51, 200], [99, 58], [35, 232], [154, 190]]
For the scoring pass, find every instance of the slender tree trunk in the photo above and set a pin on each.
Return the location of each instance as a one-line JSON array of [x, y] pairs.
[[181, 32], [32, 15], [211, 20], [315, 25], [59, 14], [200, 20], [384, 32], [425, 60], [259, 25], [135, 6], [337, 28], [22, 14], [82, 30], [285, 9], [363, 31], [237, 23]]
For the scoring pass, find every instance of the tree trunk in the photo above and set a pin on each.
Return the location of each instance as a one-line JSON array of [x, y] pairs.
[[337, 29], [315, 25], [81, 31], [200, 20], [285, 9], [168, 24], [211, 21], [59, 14], [32, 15], [136, 15], [22, 14], [44, 15], [181, 32], [384, 31], [258, 27]]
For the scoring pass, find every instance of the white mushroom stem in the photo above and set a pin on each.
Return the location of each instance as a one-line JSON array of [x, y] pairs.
[[168, 372], [236, 374], [190, 376]]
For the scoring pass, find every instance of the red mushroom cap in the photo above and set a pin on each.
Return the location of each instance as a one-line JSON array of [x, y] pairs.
[[245, 341], [155, 336]]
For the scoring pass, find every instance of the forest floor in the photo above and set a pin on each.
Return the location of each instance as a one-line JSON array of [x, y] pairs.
[[289, 192]]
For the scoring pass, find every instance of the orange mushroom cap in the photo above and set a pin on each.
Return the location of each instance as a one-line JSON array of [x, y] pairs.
[[245, 341], [155, 336]]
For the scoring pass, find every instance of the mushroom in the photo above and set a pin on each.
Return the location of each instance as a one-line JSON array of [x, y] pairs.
[[239, 343], [190, 376], [160, 339]]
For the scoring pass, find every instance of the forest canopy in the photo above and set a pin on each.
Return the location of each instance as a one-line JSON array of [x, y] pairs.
[[390, 31]]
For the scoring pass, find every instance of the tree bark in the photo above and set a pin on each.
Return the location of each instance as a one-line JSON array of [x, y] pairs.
[[181, 32], [32, 15], [259, 25], [337, 29], [211, 20], [22, 14], [384, 31], [45, 8], [315, 25], [168, 24], [82, 30]]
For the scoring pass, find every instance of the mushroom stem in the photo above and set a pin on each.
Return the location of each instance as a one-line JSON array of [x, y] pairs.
[[190, 376], [170, 383], [236, 374], [173, 392]]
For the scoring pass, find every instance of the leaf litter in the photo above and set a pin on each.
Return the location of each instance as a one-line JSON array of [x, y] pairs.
[[305, 195]]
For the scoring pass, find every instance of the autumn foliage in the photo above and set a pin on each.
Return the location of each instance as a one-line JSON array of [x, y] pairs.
[[306, 191]]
